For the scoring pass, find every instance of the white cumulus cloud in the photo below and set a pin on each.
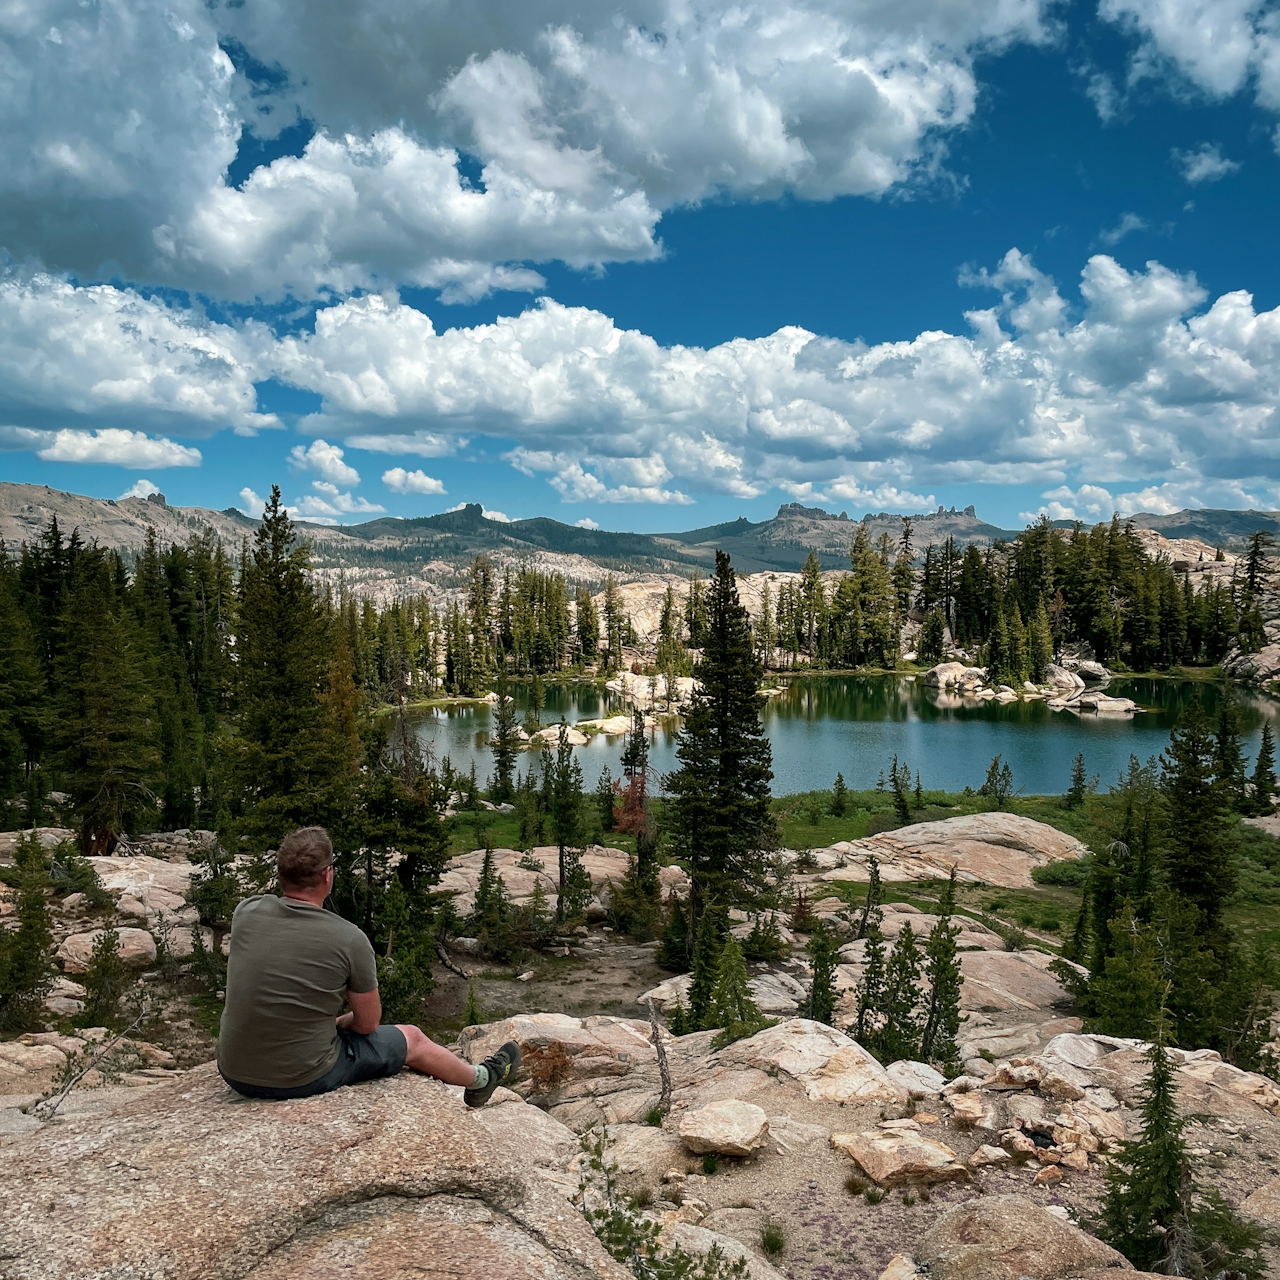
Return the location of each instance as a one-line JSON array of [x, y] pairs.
[[398, 480], [455, 145], [325, 460], [110, 446], [1205, 163], [141, 488]]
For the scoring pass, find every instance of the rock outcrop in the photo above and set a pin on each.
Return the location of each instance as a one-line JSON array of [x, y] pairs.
[[191, 1182], [990, 848]]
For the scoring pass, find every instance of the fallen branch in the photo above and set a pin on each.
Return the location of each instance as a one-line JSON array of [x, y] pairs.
[[448, 963], [47, 1108], [664, 1070]]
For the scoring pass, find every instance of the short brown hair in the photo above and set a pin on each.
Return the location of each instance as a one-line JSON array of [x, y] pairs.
[[303, 856]]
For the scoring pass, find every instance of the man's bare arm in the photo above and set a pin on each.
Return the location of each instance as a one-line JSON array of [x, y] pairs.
[[365, 1013]]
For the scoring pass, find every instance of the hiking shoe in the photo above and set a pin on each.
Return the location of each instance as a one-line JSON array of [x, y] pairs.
[[503, 1066]]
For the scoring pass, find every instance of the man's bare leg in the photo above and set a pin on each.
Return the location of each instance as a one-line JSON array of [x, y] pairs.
[[433, 1059], [478, 1083]]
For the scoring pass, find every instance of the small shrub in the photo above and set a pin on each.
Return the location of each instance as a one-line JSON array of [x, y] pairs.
[[1069, 874], [710, 1163], [855, 1184], [773, 1239], [925, 1197], [873, 1194], [642, 1198], [548, 1068], [908, 1198], [654, 1117]]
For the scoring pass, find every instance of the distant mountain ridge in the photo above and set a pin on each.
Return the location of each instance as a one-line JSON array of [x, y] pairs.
[[391, 556]]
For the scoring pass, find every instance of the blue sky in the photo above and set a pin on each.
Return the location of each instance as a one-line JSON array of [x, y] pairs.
[[649, 265]]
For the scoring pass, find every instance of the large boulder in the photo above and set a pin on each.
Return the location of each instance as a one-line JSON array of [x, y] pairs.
[[148, 880], [49, 837], [136, 947], [392, 1178], [726, 1128], [992, 848], [1264, 1203], [830, 1065], [1011, 1238], [896, 1157], [995, 981]]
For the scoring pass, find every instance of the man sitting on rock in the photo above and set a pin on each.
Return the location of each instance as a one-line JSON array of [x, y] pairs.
[[292, 967]]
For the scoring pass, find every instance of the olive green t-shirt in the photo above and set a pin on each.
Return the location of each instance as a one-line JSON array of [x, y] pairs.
[[288, 974]]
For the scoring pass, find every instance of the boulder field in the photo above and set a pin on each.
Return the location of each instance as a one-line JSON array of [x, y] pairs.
[[984, 1178]]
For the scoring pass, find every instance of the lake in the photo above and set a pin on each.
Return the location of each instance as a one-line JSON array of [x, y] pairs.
[[855, 724]]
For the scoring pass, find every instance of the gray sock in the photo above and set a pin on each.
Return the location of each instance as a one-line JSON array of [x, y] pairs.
[[482, 1077]]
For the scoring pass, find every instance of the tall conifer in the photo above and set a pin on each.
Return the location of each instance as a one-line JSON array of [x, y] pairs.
[[719, 796]]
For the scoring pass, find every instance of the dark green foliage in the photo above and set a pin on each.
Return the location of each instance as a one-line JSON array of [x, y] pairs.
[[1197, 855], [1150, 1212], [1229, 763], [493, 918], [404, 965], [678, 1021], [298, 745], [22, 687], [503, 741], [105, 722], [998, 784], [764, 942], [1263, 783], [633, 1240], [941, 1022], [27, 952], [933, 639], [873, 900], [1080, 784], [773, 1238], [105, 981], [562, 776], [871, 990], [71, 873], [839, 797], [718, 798], [675, 952], [604, 798], [712, 930], [899, 1035], [1069, 872], [824, 954], [900, 780], [472, 1015], [732, 1007]]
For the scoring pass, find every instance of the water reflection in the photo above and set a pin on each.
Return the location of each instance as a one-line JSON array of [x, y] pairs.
[[854, 724]]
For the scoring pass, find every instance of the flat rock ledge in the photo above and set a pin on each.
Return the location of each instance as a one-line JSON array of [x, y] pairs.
[[392, 1178]]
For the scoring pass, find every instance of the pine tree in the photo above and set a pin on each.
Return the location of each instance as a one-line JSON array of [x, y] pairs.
[[942, 1010], [105, 980], [1262, 790], [874, 898], [899, 1036], [674, 953], [871, 990], [901, 805], [931, 647], [563, 774], [718, 798], [1040, 643], [23, 712], [712, 928], [1079, 787], [105, 711], [294, 760], [604, 799], [839, 797], [1126, 990], [504, 741], [732, 1007], [824, 954], [1229, 762], [472, 1015], [1197, 857], [998, 784], [26, 953], [1150, 1211]]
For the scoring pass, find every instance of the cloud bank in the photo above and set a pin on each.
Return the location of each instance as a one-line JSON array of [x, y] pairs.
[[1144, 377]]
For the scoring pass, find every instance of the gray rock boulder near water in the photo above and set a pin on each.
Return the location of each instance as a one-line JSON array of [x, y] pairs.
[[190, 1182]]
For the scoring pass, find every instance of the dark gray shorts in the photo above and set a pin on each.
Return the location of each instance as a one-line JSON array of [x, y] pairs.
[[380, 1053]]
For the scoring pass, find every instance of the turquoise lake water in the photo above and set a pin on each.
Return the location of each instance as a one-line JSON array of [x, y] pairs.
[[855, 724]]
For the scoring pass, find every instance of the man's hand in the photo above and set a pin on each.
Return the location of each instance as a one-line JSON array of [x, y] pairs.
[[344, 1019], [365, 1013]]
